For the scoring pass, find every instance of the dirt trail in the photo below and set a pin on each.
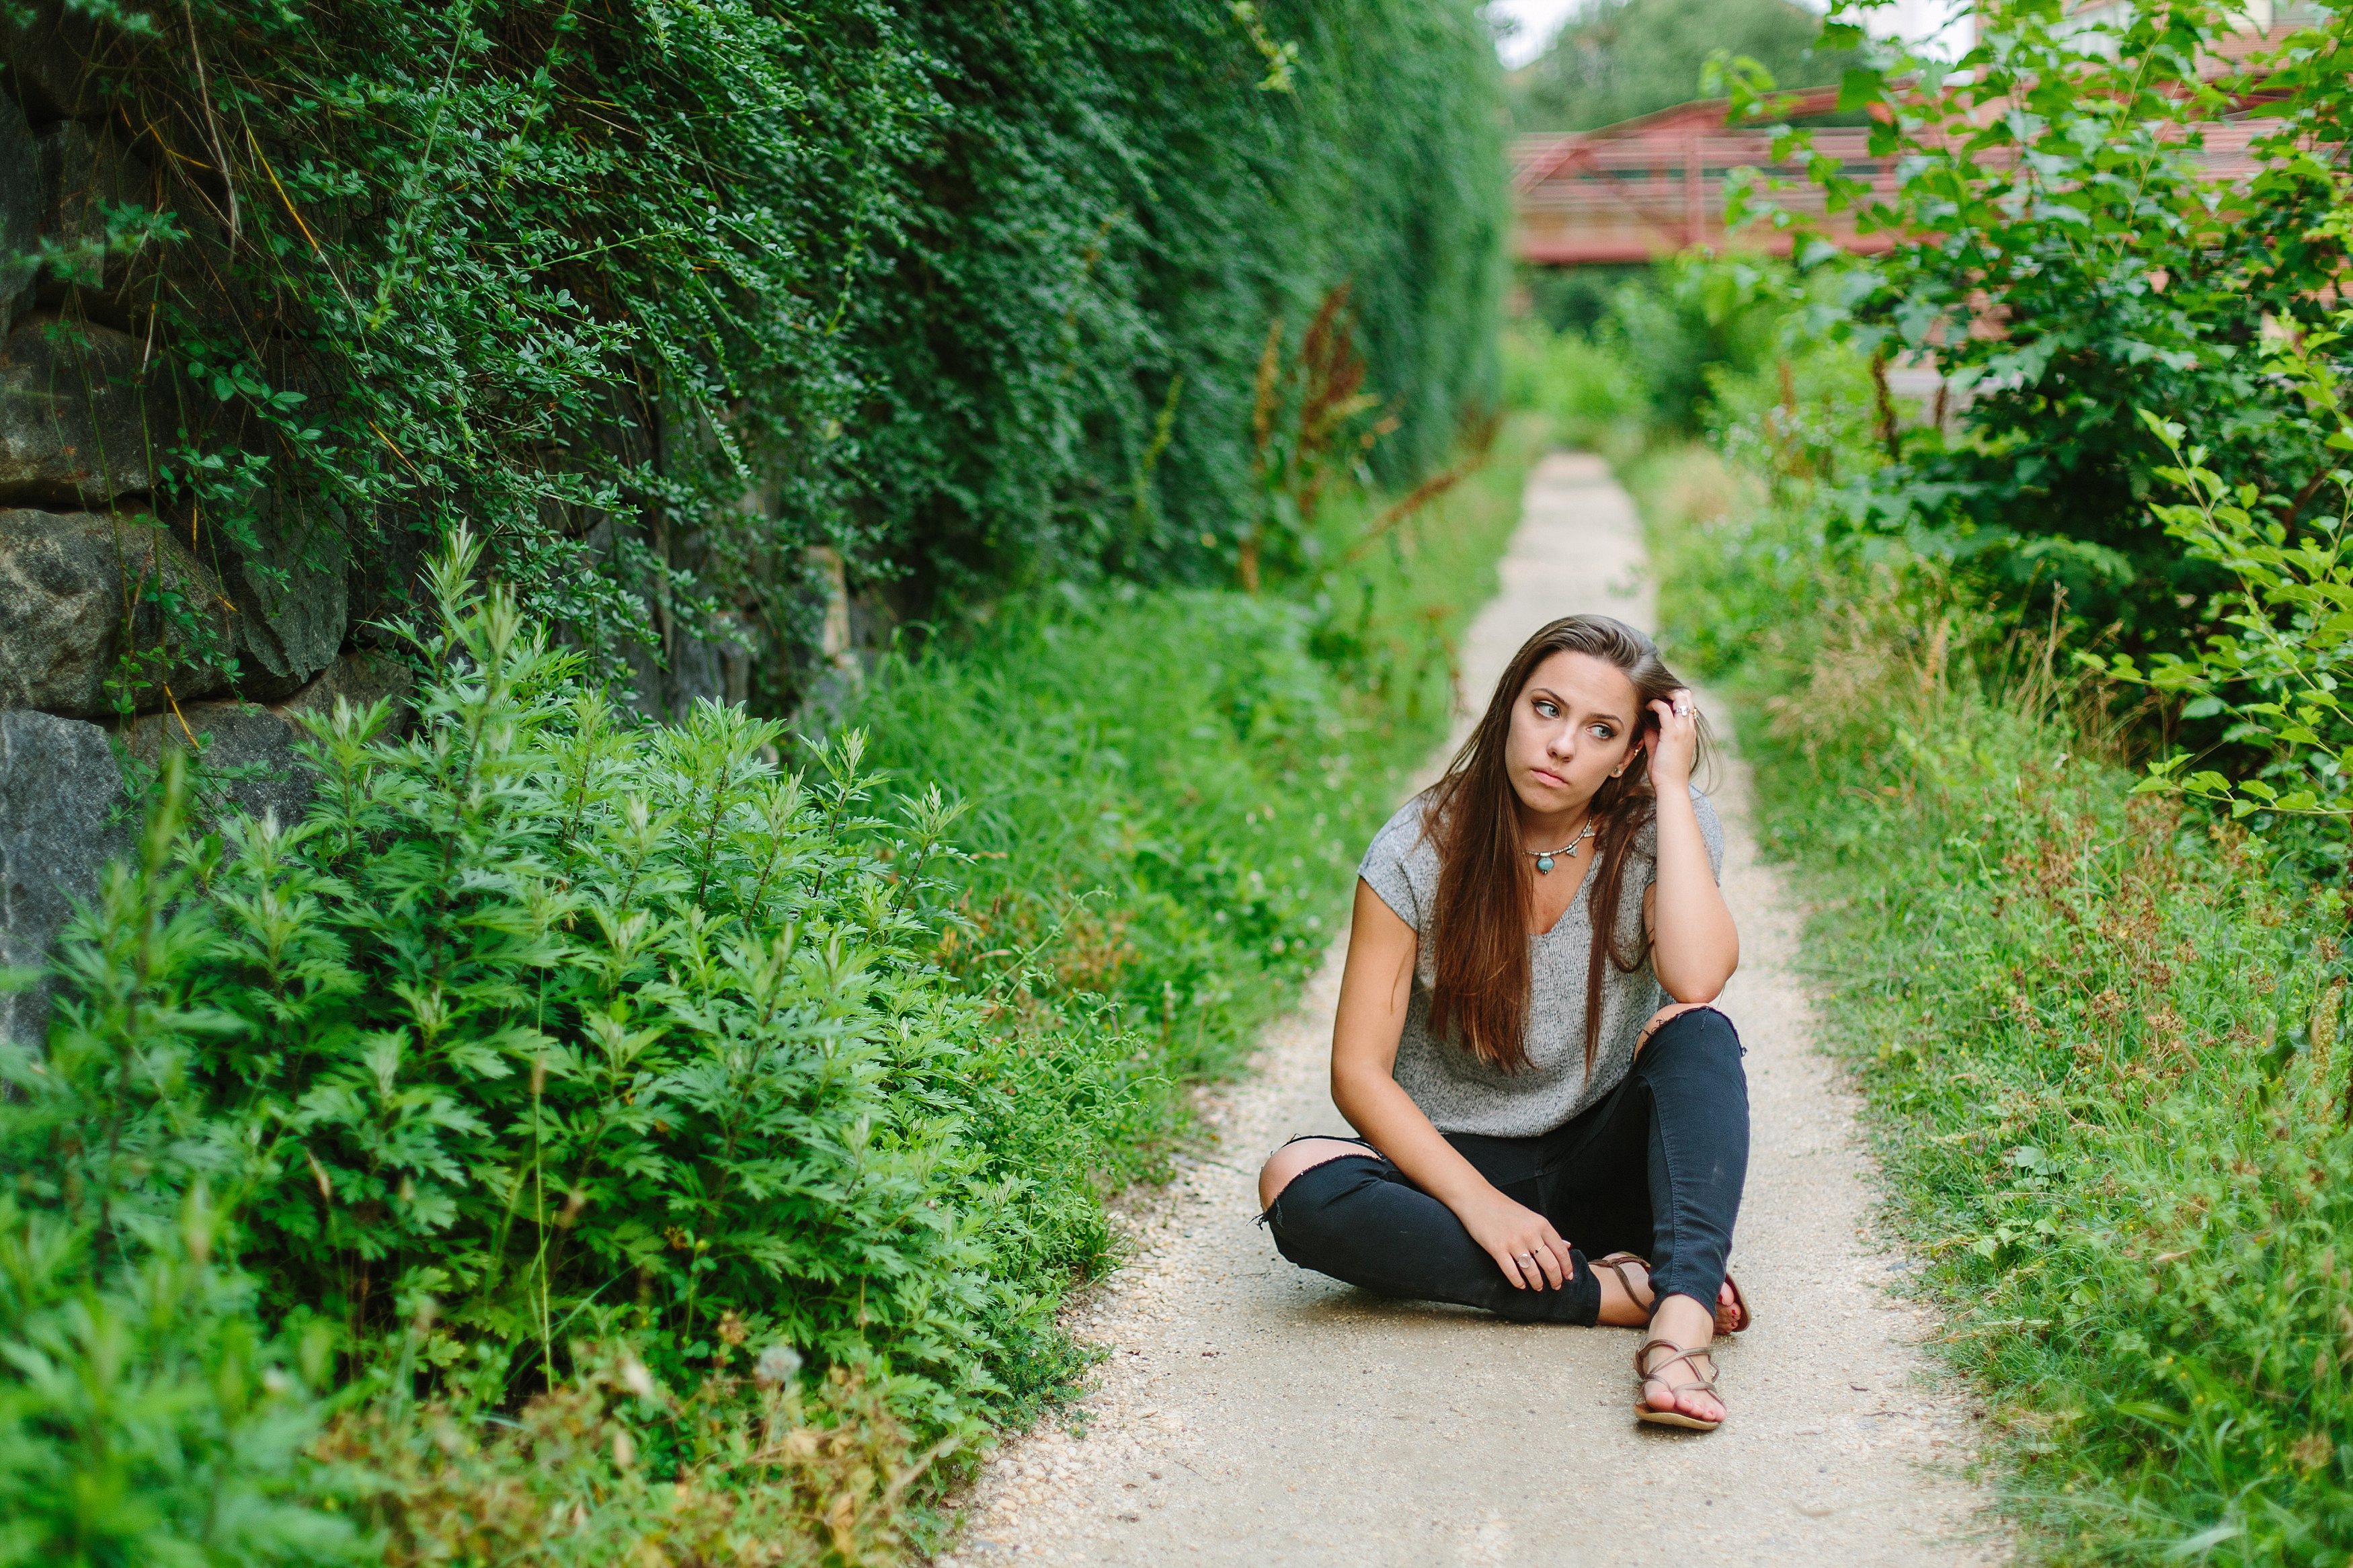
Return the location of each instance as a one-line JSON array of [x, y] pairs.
[[1251, 1413]]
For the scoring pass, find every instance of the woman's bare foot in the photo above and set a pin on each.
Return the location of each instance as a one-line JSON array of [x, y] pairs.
[[1624, 1308], [1668, 1380]]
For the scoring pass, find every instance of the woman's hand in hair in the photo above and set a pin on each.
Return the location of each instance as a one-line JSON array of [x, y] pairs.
[[1675, 744], [1522, 1242]]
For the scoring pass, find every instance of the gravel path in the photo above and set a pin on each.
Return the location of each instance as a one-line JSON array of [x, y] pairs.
[[1252, 1414]]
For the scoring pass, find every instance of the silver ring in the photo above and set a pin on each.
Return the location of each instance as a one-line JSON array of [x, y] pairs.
[[1682, 709]]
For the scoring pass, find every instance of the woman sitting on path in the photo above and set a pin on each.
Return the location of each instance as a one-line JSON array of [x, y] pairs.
[[1524, 1098]]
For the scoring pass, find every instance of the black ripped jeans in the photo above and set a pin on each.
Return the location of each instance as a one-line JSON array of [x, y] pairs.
[[1655, 1169]]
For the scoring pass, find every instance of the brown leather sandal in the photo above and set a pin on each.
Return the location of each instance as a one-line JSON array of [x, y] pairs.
[[1616, 1263], [1728, 1320], [1671, 1418], [1732, 1319]]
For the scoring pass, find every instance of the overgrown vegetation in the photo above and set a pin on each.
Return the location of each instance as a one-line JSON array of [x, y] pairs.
[[1171, 791], [1622, 357], [658, 299], [2098, 1033], [2093, 218], [580, 1137]]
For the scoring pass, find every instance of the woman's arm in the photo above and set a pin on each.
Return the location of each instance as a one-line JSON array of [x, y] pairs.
[[1375, 989], [1694, 947]]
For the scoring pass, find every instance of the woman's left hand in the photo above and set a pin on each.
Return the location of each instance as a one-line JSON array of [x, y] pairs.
[[1675, 744]]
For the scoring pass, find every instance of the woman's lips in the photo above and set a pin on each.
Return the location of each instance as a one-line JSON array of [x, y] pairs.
[[1546, 776]]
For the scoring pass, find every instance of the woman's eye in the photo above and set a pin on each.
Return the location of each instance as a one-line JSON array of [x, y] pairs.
[[1603, 732], [1546, 710]]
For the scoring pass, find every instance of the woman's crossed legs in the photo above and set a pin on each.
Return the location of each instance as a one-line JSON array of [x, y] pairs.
[[1655, 1169]]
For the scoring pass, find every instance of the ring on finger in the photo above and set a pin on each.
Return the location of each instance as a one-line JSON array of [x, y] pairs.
[[1682, 709]]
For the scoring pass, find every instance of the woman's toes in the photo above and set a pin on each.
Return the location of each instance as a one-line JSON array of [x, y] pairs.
[[1659, 1394], [1727, 1310]]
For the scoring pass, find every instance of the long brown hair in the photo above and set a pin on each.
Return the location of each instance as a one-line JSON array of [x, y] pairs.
[[1487, 888]]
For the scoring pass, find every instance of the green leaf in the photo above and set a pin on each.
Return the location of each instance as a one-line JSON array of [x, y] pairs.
[[1860, 89]]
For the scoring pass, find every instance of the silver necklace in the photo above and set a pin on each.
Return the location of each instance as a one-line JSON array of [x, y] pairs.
[[1544, 856]]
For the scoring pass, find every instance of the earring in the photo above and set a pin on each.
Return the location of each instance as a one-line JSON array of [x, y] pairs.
[[1620, 772]]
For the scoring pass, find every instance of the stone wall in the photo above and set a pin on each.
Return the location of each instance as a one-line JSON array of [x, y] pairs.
[[132, 619], [99, 580]]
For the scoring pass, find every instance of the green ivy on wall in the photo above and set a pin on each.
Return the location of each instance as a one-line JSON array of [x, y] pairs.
[[657, 297]]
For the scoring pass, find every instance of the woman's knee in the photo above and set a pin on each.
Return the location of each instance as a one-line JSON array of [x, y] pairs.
[[1662, 1017], [1288, 1163], [1685, 1030]]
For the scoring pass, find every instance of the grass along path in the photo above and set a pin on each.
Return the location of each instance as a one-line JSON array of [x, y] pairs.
[[1248, 1413]]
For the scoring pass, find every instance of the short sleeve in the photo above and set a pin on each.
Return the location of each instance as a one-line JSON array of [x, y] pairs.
[[1401, 865], [1711, 832]]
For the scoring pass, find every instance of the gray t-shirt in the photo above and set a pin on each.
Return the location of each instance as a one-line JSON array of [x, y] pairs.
[[1457, 1091]]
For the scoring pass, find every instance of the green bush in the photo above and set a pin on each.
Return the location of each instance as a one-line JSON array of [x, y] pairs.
[[2060, 245], [2271, 671], [543, 1028], [558, 1022]]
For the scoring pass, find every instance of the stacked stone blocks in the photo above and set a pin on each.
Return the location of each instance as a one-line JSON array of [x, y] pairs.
[[126, 623]]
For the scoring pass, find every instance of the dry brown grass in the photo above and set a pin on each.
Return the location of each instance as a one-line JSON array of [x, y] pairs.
[[591, 1474]]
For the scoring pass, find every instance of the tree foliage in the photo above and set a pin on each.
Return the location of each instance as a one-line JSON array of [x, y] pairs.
[[1618, 59], [2064, 250]]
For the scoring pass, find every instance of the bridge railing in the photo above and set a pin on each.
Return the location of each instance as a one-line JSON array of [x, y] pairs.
[[1655, 187]]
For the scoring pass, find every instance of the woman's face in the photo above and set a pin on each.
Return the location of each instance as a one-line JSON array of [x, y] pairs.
[[1576, 722]]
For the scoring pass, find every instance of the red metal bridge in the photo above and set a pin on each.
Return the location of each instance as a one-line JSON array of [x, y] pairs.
[[1647, 188], [1650, 187]]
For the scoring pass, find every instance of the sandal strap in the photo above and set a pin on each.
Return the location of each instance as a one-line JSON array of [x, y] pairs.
[[1616, 1263], [1654, 1372]]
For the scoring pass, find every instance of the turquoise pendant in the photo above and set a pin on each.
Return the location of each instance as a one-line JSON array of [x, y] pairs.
[[1544, 862]]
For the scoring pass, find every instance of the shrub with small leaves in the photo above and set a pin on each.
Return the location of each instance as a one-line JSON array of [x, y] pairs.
[[545, 1021]]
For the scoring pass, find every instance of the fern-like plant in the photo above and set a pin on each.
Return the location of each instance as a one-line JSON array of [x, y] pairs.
[[544, 1023]]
